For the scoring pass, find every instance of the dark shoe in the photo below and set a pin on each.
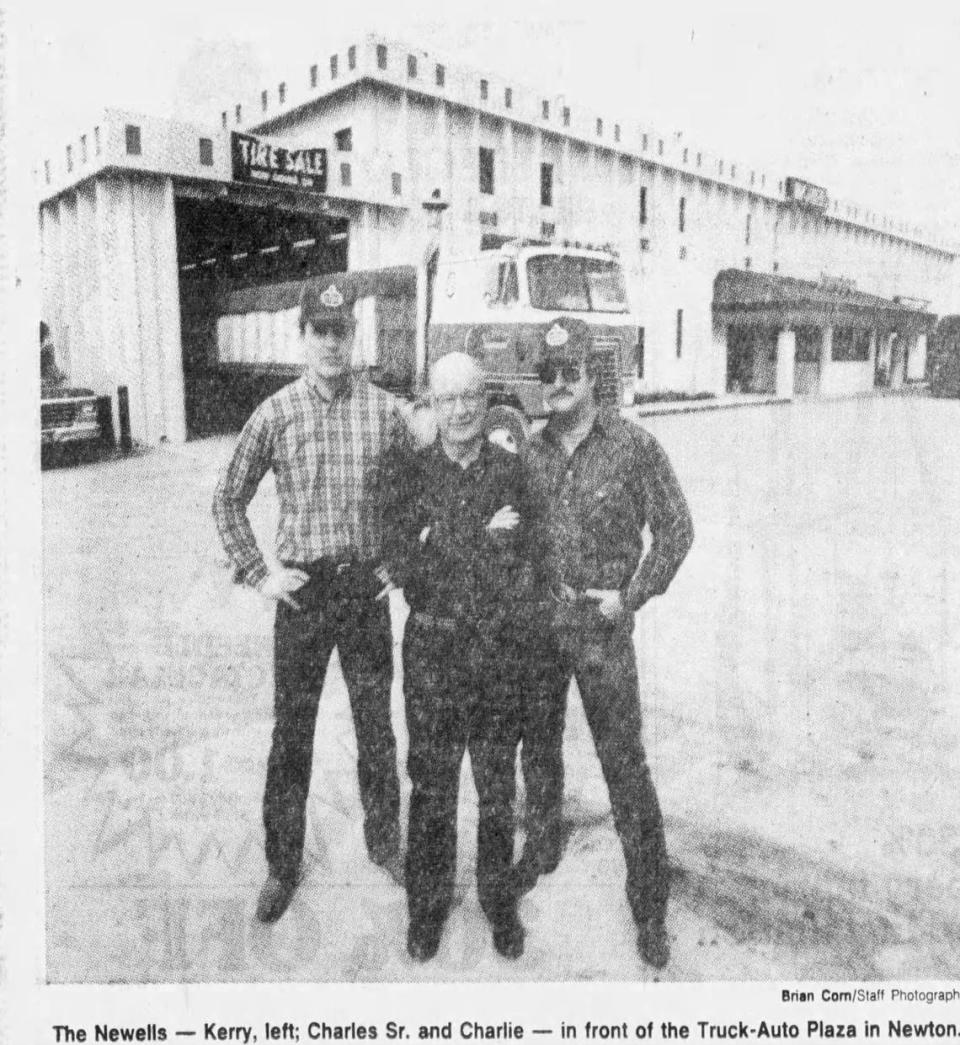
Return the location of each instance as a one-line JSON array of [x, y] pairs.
[[653, 943], [508, 936], [423, 941], [275, 897], [392, 863], [524, 875]]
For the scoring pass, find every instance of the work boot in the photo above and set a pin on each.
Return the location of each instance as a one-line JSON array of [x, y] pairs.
[[275, 897], [508, 936], [423, 940], [653, 943]]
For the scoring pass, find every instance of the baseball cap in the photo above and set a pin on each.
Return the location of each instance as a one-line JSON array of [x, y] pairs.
[[326, 303], [565, 338]]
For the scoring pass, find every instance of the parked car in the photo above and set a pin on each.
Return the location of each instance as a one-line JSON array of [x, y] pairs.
[[69, 416]]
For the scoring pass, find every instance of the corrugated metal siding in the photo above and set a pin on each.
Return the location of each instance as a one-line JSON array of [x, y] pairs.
[[110, 296]]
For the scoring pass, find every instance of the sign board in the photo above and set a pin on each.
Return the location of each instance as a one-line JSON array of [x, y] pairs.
[[262, 162], [806, 195]]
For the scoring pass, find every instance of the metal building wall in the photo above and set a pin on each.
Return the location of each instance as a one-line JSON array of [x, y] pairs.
[[110, 294]]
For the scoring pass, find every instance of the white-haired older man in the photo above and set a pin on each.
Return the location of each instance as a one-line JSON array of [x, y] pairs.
[[463, 542]]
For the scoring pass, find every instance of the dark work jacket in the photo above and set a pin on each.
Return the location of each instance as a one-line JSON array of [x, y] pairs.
[[437, 545]]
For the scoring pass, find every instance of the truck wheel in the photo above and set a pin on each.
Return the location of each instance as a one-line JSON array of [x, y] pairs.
[[507, 427]]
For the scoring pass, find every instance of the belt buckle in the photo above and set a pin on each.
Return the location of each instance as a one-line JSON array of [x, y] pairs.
[[342, 567]]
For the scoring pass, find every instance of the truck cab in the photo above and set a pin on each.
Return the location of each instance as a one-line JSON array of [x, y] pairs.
[[494, 306]]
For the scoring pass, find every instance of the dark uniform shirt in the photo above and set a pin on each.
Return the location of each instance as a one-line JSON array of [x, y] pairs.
[[436, 542], [617, 481]]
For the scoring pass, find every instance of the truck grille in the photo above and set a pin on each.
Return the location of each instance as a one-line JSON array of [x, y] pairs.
[[607, 357], [58, 415]]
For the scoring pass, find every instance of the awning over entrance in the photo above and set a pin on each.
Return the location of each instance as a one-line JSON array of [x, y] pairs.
[[754, 299]]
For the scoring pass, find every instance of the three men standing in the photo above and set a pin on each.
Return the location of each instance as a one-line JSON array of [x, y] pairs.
[[605, 481], [322, 436], [474, 535]]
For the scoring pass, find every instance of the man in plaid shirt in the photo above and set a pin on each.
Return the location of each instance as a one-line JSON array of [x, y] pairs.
[[605, 481], [322, 437]]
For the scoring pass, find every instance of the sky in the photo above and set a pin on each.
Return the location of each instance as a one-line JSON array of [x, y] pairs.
[[855, 97]]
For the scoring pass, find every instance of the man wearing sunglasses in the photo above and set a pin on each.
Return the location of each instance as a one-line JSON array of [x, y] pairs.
[[604, 480], [464, 543]]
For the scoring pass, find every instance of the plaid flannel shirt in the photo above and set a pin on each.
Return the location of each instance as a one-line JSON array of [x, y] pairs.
[[323, 453], [617, 481]]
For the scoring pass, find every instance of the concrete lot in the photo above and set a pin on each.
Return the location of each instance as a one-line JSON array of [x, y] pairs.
[[801, 706]]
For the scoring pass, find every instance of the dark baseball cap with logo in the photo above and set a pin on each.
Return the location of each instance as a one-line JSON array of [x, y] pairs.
[[566, 338], [326, 303]]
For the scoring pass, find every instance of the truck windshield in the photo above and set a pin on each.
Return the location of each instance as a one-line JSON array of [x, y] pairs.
[[575, 284]]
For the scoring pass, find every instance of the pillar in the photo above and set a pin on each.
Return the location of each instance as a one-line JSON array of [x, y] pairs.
[[786, 361]]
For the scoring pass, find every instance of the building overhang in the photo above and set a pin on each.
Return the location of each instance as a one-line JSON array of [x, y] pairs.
[[758, 299]]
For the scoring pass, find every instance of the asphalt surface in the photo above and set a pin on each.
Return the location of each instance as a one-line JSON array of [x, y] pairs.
[[799, 686]]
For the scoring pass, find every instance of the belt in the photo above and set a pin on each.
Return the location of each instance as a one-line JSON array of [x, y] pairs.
[[327, 564], [430, 621]]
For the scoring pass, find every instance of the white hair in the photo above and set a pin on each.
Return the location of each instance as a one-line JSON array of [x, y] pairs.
[[456, 368]]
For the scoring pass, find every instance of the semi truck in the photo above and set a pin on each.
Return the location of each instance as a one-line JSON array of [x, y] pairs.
[[492, 305]]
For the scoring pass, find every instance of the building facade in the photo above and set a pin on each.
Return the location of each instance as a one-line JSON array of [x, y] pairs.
[[742, 280]]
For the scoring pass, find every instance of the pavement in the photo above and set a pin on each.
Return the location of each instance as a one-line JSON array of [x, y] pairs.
[[799, 687]]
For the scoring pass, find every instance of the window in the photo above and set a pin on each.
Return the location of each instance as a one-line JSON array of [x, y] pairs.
[[545, 109], [486, 171], [753, 177], [599, 127], [733, 170], [381, 56], [282, 93], [346, 175], [575, 284], [686, 156], [645, 142], [69, 158], [396, 183], [679, 332], [238, 114], [351, 57], [500, 284], [484, 90], [746, 232], [313, 75], [344, 140], [223, 118], [441, 75], [96, 140], [720, 168], [546, 184], [333, 64], [508, 97], [46, 171], [547, 229], [682, 215], [850, 344], [83, 148], [643, 204], [133, 137], [263, 100], [566, 116], [616, 132], [699, 159], [411, 66], [660, 146], [206, 152], [640, 351]]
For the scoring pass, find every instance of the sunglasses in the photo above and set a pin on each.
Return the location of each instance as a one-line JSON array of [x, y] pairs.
[[570, 372]]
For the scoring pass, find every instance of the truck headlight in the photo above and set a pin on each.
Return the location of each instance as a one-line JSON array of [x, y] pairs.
[[87, 413]]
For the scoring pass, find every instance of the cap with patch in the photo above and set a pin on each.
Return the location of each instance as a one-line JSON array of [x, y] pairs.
[[566, 336], [324, 303]]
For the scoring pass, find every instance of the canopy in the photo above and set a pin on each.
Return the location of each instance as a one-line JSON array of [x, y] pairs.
[[745, 298]]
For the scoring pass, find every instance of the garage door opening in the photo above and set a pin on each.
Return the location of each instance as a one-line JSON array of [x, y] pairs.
[[222, 247]]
